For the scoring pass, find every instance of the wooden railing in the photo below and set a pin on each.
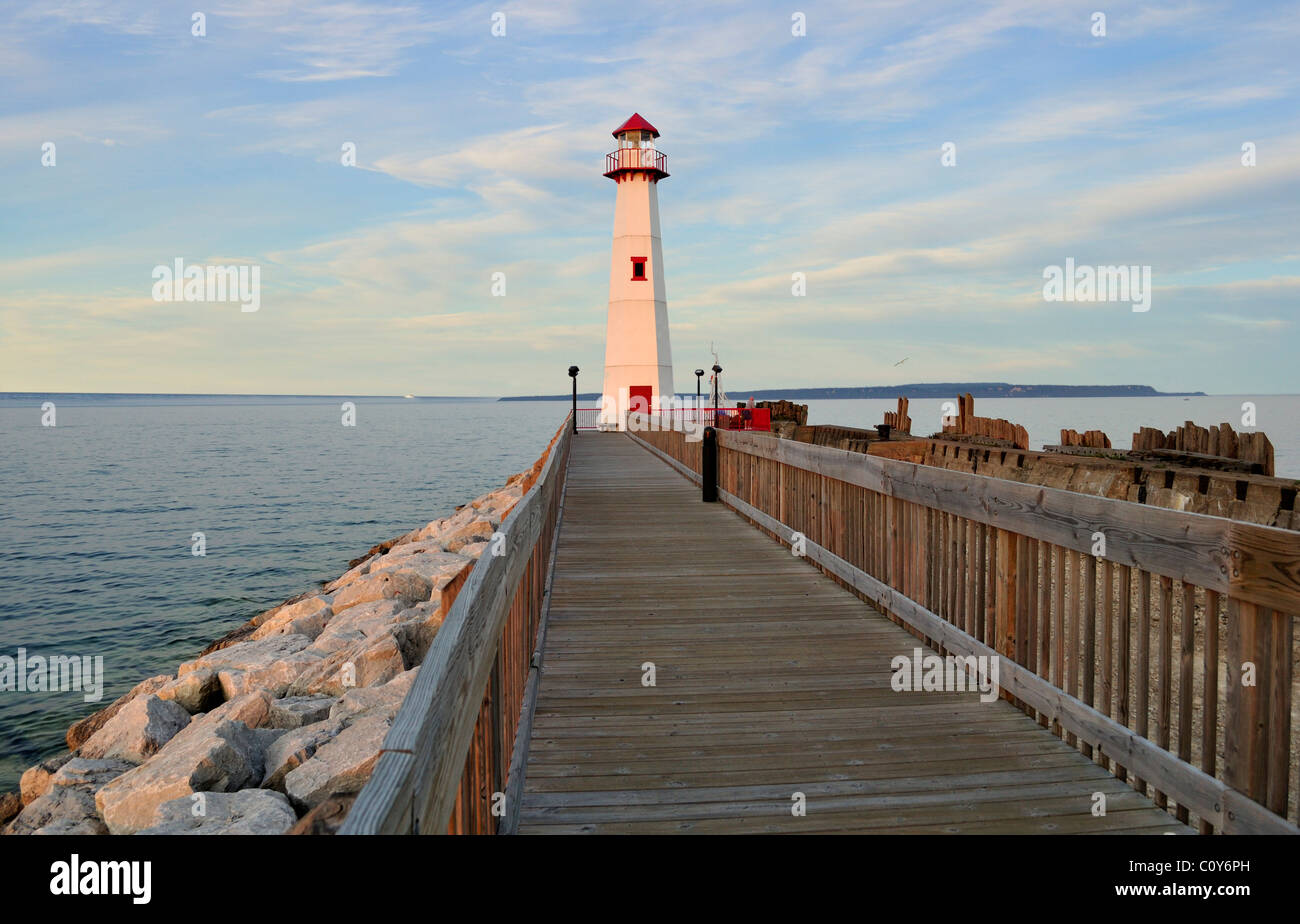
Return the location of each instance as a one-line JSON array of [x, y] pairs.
[[1160, 643], [450, 763]]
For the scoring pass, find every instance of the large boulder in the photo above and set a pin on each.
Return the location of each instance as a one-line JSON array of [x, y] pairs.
[[294, 748], [138, 731], [62, 810], [358, 570], [366, 620], [68, 804], [11, 803], [327, 817], [342, 765], [35, 781], [209, 756], [407, 586], [383, 700], [270, 664], [477, 530], [196, 691], [80, 732], [253, 709], [416, 631], [306, 617], [249, 811], [363, 663], [297, 711], [439, 568]]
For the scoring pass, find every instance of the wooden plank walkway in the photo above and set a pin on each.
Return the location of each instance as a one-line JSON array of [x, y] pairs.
[[771, 679]]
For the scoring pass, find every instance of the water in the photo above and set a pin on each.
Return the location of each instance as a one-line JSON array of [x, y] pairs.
[[99, 511], [1119, 418]]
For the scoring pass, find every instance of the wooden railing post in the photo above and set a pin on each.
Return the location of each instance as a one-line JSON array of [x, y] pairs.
[[1257, 719], [1004, 636]]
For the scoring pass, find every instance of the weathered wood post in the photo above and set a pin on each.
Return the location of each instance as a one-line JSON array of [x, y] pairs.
[[1257, 720], [709, 465]]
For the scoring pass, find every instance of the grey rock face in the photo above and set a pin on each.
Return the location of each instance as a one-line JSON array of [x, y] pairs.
[[249, 811]]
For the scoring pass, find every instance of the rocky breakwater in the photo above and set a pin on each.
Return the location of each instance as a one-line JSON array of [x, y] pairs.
[[275, 727]]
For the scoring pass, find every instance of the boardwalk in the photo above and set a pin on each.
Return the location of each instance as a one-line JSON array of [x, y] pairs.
[[771, 679]]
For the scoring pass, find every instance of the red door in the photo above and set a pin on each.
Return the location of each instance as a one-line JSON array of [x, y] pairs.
[[638, 398]]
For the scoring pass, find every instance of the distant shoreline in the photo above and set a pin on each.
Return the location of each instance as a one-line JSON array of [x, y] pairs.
[[931, 390]]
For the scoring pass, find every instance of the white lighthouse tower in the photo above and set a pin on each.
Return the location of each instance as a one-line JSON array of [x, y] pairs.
[[638, 357]]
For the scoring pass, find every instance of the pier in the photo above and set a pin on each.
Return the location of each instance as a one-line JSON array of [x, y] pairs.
[[642, 661]]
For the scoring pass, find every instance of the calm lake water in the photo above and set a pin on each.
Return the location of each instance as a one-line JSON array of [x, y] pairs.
[[98, 512]]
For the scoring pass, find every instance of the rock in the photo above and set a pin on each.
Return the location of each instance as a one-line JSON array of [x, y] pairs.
[[383, 700], [342, 765], [212, 755], [11, 803], [479, 530], [196, 691], [306, 617], [364, 663], [92, 773], [360, 568], [297, 711], [294, 748], [138, 731], [68, 805], [253, 709], [80, 732], [62, 810], [328, 816], [366, 620], [415, 634], [407, 586], [269, 664], [438, 567], [250, 811], [245, 632], [35, 781], [496, 505], [474, 549]]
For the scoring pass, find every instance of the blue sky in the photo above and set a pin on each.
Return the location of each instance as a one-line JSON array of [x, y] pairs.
[[478, 154]]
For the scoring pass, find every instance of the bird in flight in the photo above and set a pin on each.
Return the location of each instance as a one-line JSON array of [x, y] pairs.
[[903, 360]]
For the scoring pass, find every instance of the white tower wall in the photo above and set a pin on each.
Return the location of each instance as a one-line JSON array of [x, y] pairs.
[[637, 349]]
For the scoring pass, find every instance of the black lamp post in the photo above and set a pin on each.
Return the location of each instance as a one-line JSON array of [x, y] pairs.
[[717, 371], [698, 374], [573, 374]]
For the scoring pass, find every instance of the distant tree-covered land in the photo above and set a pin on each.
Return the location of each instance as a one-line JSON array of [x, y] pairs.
[[923, 390]]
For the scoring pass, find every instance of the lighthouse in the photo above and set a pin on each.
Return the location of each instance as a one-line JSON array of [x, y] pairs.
[[638, 357]]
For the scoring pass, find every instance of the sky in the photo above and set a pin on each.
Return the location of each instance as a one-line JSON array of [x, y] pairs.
[[819, 153]]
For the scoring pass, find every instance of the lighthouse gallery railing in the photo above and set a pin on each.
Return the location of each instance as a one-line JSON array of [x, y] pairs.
[[1158, 642], [636, 159]]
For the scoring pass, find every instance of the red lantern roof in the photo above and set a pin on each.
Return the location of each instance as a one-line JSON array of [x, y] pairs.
[[636, 124]]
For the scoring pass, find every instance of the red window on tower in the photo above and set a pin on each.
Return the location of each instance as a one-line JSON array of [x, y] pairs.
[[638, 268]]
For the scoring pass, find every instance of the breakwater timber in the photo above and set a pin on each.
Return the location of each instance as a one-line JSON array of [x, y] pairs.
[[275, 727]]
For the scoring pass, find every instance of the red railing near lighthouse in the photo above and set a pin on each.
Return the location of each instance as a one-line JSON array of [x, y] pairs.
[[724, 418], [636, 159]]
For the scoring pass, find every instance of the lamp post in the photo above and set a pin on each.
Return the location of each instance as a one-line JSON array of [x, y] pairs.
[[698, 374], [573, 374], [717, 371]]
